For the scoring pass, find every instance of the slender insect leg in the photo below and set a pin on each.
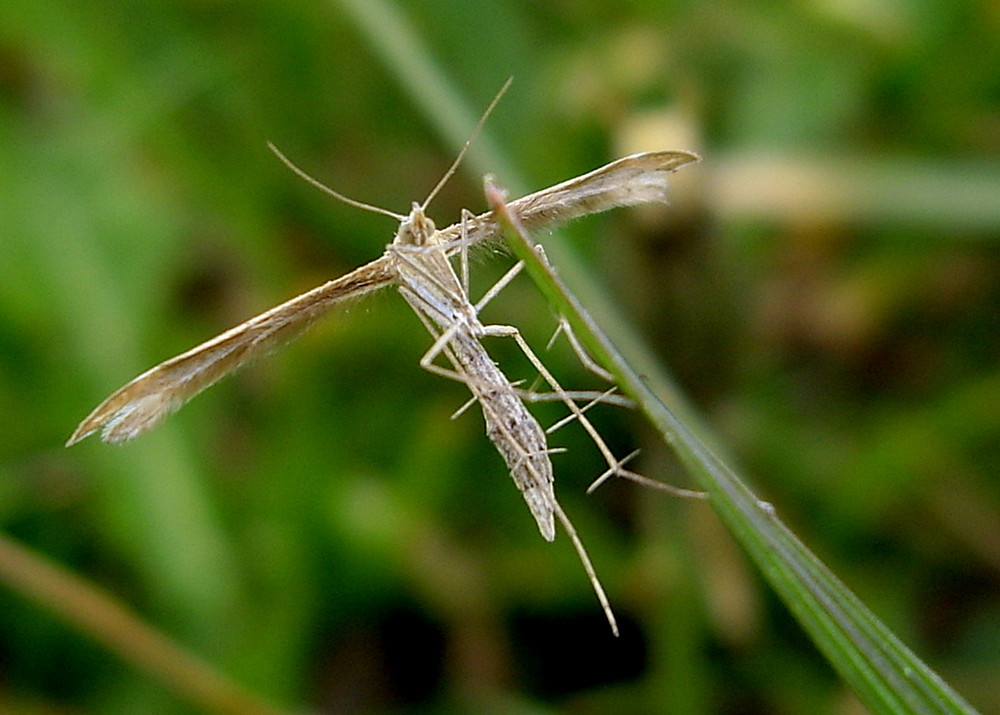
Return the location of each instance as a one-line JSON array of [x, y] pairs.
[[440, 346], [447, 335], [510, 331], [582, 355], [585, 359], [457, 322], [516, 434], [464, 253], [511, 438], [565, 328], [504, 281], [615, 466], [595, 582]]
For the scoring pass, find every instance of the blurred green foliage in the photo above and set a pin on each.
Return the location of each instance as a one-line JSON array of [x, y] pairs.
[[825, 287]]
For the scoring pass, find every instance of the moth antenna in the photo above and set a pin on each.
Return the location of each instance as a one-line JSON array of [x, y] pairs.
[[472, 137], [327, 190]]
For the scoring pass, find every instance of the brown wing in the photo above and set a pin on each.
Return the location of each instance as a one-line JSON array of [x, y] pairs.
[[154, 394], [630, 181]]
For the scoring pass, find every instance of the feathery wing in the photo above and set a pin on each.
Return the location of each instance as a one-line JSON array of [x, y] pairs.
[[629, 181], [154, 394]]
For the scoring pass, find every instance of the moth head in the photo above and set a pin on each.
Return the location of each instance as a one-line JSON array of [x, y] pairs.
[[416, 229]]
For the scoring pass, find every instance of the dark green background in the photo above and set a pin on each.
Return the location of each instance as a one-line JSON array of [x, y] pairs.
[[826, 288]]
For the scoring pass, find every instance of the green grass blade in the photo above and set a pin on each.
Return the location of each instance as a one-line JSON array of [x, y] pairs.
[[884, 674], [108, 621]]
